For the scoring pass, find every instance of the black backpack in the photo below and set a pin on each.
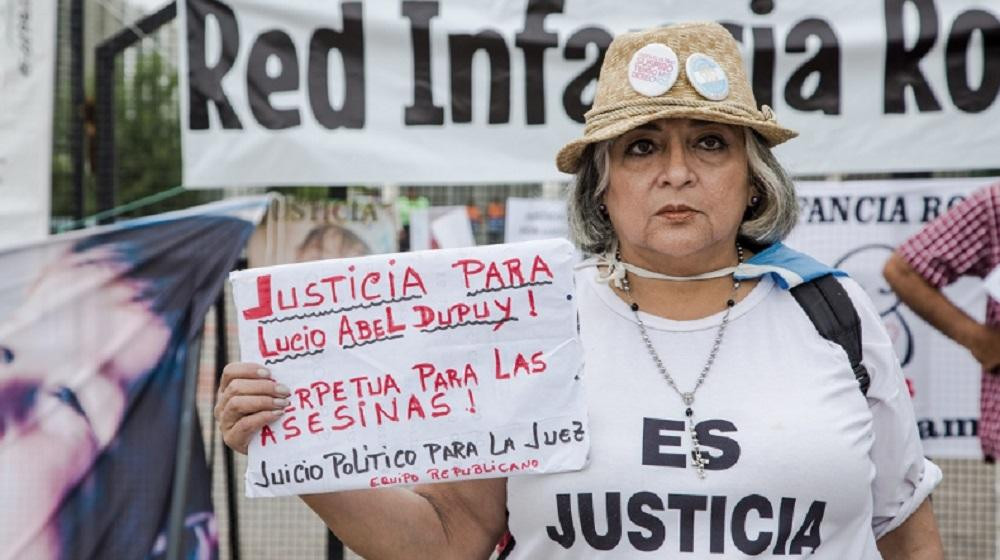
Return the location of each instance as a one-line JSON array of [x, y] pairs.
[[831, 310]]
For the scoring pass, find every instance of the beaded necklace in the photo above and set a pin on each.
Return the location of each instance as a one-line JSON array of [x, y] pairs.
[[699, 458]]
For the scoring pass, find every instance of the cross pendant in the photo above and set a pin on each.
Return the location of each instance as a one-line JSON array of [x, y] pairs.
[[699, 460]]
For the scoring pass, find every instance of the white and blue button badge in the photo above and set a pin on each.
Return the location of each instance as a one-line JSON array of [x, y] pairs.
[[654, 68]]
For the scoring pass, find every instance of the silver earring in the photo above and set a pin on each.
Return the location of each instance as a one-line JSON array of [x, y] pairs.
[[754, 200]]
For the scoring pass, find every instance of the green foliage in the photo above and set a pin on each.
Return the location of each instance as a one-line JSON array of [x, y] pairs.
[[147, 137], [147, 132], [147, 142]]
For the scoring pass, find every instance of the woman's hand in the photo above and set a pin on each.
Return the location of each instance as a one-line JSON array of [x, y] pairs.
[[248, 400], [446, 520]]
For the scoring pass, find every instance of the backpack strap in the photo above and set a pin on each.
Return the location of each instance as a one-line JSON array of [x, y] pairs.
[[832, 312]]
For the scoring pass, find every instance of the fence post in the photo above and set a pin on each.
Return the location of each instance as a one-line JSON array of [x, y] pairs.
[[76, 13], [105, 55]]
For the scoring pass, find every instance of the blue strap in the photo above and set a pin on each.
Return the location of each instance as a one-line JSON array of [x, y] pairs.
[[788, 267]]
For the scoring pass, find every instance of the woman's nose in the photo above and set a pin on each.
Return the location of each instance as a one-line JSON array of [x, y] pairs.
[[675, 169]]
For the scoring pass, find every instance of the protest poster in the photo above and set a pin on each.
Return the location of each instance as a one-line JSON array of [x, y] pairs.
[[98, 328], [299, 230], [855, 226], [416, 367], [452, 229], [533, 218], [440, 227]]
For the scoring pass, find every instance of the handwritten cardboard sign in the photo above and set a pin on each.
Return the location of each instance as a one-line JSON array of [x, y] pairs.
[[416, 367]]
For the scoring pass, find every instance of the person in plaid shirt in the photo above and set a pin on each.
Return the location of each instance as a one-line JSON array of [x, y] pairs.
[[965, 241]]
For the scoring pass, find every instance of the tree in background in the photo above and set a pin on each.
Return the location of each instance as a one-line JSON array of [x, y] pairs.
[[148, 131], [147, 136]]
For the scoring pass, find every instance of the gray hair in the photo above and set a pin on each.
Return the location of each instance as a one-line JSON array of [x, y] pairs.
[[769, 221]]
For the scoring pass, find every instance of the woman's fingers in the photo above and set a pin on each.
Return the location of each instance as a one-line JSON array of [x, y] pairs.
[[246, 405], [248, 399], [238, 436], [245, 378], [247, 387], [240, 387], [242, 370]]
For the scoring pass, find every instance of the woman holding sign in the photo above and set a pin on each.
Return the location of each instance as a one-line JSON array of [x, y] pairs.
[[722, 422]]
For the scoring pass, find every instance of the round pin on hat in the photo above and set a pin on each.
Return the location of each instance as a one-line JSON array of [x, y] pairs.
[[653, 69], [707, 77]]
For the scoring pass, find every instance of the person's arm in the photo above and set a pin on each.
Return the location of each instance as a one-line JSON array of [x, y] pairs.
[[916, 539], [932, 306], [902, 519], [453, 520], [456, 520]]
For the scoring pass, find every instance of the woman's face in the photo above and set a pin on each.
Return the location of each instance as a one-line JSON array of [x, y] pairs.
[[678, 189]]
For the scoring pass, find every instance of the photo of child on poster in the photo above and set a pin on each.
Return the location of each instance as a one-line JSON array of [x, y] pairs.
[[95, 336], [311, 230]]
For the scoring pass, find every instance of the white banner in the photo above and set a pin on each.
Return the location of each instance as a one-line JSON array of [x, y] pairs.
[[472, 91], [855, 226], [416, 367], [27, 72]]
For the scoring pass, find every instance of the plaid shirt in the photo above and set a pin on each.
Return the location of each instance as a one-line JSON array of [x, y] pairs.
[[965, 241]]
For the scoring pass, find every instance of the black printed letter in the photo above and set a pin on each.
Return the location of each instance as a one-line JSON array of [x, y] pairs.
[[739, 524], [785, 514], [965, 97], [826, 63], [653, 440], [901, 65], [565, 513], [423, 110], [533, 40], [260, 85], [729, 447], [613, 512], [808, 533], [351, 44], [205, 84], [462, 49], [763, 65], [687, 505], [576, 49], [647, 521]]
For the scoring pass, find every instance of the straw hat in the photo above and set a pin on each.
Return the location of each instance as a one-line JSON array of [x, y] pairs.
[[690, 70]]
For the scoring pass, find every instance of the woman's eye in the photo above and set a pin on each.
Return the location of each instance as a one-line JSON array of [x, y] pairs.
[[639, 148], [712, 143], [6, 355]]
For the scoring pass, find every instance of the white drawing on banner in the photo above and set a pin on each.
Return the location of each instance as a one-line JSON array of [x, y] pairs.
[[864, 264]]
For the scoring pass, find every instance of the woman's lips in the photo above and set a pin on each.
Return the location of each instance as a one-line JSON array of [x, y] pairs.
[[676, 213]]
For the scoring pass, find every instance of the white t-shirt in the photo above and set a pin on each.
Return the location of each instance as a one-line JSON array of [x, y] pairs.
[[799, 462]]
